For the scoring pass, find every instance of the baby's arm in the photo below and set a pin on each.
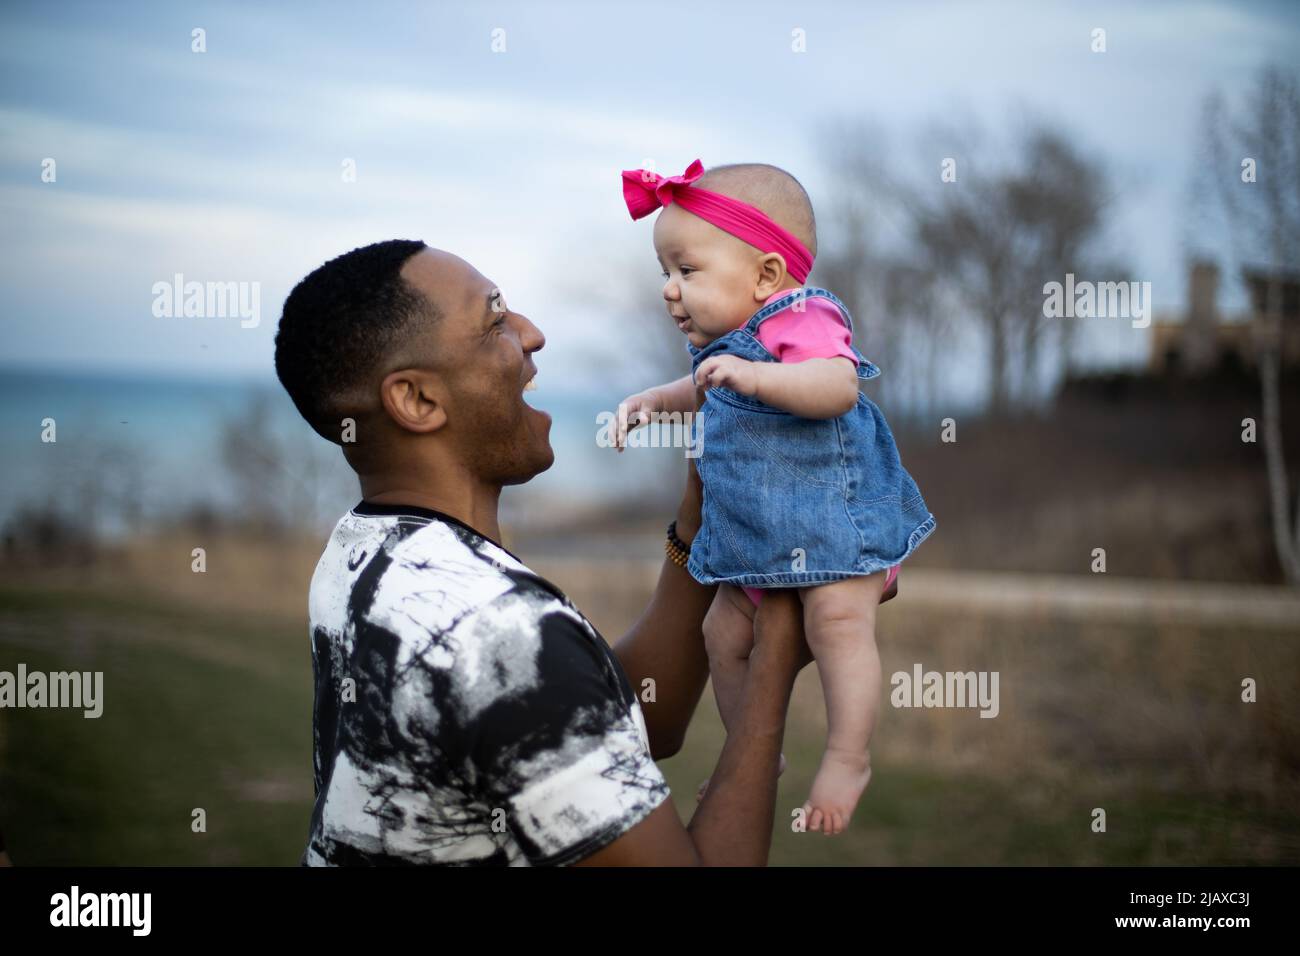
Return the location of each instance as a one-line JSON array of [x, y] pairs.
[[676, 396], [814, 388]]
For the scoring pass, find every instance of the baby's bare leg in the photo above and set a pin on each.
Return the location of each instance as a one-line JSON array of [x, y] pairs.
[[840, 624], [728, 639]]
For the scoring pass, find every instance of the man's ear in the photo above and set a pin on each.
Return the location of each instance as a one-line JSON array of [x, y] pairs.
[[414, 399], [771, 275]]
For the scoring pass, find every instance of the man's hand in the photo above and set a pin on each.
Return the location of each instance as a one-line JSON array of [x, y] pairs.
[[635, 411], [688, 512], [778, 627], [728, 371], [733, 824]]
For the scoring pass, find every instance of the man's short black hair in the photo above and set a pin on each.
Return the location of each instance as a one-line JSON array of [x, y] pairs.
[[338, 323]]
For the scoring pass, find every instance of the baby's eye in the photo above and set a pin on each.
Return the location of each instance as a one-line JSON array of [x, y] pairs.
[[686, 270]]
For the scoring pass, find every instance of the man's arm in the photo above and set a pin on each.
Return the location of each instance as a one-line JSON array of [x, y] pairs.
[[733, 824], [667, 643]]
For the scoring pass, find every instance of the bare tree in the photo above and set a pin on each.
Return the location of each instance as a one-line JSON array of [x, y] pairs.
[[912, 294], [866, 256], [107, 474], [1252, 153], [997, 235], [252, 458], [282, 476], [988, 240], [967, 234], [855, 271], [1058, 200]]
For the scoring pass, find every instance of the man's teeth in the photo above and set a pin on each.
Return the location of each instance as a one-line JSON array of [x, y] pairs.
[[531, 384]]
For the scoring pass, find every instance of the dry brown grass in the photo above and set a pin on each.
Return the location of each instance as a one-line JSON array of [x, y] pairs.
[[244, 573], [1108, 712], [1139, 697], [1142, 717]]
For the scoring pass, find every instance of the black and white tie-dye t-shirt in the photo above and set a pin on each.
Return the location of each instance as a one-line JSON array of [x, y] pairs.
[[465, 712]]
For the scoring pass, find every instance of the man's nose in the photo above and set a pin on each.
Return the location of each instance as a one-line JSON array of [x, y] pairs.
[[531, 338]]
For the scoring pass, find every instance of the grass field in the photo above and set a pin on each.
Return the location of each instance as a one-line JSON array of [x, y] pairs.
[[202, 710], [208, 705]]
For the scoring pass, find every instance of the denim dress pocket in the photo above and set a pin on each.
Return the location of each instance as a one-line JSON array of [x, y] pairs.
[[775, 497]]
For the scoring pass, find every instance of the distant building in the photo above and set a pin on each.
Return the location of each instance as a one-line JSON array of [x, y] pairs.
[[1203, 340]]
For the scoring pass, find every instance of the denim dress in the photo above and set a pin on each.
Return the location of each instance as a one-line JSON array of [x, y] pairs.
[[790, 501]]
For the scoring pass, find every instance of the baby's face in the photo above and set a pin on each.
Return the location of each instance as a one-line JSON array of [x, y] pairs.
[[709, 276]]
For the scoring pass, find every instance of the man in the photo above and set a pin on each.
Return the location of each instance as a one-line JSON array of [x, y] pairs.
[[465, 711]]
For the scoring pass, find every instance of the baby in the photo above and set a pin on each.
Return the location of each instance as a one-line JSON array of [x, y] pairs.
[[803, 487]]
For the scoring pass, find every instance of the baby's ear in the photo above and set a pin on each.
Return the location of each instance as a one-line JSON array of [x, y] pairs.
[[771, 275]]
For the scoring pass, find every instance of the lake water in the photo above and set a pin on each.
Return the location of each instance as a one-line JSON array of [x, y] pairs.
[[149, 448]]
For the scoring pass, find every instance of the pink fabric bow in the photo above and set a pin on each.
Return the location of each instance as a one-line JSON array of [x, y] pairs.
[[645, 191]]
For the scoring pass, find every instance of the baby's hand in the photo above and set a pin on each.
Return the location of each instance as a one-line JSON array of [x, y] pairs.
[[634, 411], [738, 374]]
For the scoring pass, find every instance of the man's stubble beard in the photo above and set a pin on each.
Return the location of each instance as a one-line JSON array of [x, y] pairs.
[[495, 447]]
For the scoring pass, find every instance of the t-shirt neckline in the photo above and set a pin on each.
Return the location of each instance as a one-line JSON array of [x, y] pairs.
[[377, 510]]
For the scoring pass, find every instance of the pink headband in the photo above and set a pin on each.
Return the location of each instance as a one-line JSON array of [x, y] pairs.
[[645, 192]]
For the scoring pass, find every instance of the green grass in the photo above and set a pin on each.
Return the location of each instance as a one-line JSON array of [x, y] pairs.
[[213, 710], [186, 724]]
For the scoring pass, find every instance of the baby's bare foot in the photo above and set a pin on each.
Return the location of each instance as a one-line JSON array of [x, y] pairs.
[[839, 783], [780, 769]]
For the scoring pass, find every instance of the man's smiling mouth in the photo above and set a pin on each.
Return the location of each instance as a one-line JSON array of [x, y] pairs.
[[531, 386]]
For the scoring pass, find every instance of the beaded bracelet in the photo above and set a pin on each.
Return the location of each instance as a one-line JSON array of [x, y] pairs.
[[677, 550]]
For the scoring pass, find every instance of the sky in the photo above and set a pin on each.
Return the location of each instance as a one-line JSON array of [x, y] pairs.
[[227, 165]]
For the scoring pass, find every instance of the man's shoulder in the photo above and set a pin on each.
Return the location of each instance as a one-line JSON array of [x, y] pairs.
[[420, 577], [451, 602], [391, 561], [440, 561]]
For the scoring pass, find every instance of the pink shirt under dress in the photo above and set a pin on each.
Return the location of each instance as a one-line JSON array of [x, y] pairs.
[[795, 335]]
